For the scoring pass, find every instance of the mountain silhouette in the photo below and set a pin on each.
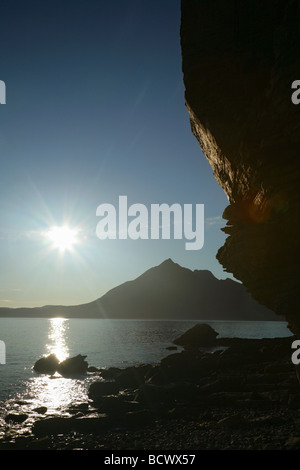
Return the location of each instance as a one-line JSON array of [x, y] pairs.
[[167, 291]]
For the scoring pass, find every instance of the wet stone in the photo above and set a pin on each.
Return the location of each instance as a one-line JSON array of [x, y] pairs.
[[16, 418]]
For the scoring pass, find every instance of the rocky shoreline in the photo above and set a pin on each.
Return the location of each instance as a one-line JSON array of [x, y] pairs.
[[241, 394]]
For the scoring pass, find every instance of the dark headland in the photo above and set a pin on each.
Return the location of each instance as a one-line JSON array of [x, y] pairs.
[[168, 291]]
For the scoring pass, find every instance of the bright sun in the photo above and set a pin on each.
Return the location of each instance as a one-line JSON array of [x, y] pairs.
[[63, 237]]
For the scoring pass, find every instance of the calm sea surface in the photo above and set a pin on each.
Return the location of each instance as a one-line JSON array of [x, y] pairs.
[[106, 343]]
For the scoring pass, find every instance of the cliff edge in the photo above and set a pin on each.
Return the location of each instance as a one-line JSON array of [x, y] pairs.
[[239, 60]]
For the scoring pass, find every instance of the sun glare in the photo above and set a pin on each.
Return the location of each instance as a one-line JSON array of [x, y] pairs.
[[62, 238]]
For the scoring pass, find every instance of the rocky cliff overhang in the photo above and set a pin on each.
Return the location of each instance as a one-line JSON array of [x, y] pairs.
[[239, 60]]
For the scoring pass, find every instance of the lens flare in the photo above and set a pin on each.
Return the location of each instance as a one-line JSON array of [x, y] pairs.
[[62, 237]]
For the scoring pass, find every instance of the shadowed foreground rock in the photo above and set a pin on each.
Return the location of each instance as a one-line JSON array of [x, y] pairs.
[[242, 393], [239, 60]]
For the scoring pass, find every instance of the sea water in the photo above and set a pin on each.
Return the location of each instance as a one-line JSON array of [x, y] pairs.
[[106, 343]]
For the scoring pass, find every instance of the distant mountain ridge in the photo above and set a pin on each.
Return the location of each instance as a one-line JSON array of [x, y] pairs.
[[167, 291]]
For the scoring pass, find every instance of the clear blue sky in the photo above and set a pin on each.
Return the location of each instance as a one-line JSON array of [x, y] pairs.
[[95, 109]]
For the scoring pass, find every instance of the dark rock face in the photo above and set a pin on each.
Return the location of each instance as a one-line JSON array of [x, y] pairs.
[[239, 60]]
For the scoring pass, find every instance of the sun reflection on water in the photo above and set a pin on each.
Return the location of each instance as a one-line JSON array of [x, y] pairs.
[[58, 338], [55, 392]]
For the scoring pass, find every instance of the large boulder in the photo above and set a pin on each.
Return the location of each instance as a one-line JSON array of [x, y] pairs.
[[98, 390], [46, 365], [200, 335], [16, 418], [73, 366], [70, 366], [189, 365], [133, 377], [117, 405]]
